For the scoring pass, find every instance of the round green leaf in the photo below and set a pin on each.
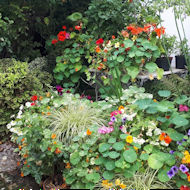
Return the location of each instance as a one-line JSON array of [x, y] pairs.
[[118, 146], [130, 155], [151, 67], [162, 176], [113, 154], [179, 121], [112, 140], [103, 147], [154, 161], [120, 58], [108, 175], [164, 93], [110, 165], [144, 156]]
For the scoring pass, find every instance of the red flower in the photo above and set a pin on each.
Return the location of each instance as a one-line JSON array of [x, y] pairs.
[[167, 117], [159, 31], [34, 98], [33, 104], [70, 29], [130, 27], [113, 37], [64, 27], [100, 41], [130, 1], [78, 28], [54, 41], [183, 187], [167, 139], [127, 49], [61, 35]]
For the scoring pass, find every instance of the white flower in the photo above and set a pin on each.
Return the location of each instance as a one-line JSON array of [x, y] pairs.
[[52, 97], [12, 116], [8, 126], [157, 131], [21, 107], [28, 104], [149, 133], [154, 143], [139, 141], [163, 143], [117, 45], [130, 117]]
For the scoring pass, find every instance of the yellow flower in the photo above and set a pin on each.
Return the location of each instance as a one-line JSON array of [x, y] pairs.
[[188, 159], [188, 178], [65, 62], [135, 147], [134, 38], [117, 182], [155, 100], [120, 108], [48, 94], [186, 153], [54, 142], [122, 186], [117, 45], [129, 139], [104, 182], [48, 107], [151, 77]]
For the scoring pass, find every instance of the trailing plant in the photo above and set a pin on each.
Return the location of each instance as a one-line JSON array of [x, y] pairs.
[[124, 57]]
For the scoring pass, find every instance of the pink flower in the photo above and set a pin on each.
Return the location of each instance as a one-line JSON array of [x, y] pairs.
[[67, 36], [104, 130], [183, 108]]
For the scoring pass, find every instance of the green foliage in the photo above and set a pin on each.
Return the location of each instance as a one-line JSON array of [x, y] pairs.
[[17, 84], [77, 116]]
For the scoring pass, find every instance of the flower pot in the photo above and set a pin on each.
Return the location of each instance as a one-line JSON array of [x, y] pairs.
[[180, 62], [162, 62]]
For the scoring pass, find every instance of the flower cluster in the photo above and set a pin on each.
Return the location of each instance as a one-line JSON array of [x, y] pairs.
[[106, 184], [165, 137], [63, 35], [183, 108], [174, 170], [105, 130]]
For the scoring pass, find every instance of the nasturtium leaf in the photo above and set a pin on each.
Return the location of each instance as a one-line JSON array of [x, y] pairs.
[[112, 140], [144, 103], [164, 93], [148, 148], [179, 121], [160, 73], [128, 43], [113, 154], [75, 158], [110, 165], [125, 78], [154, 161], [174, 135], [133, 71], [119, 163], [162, 175], [123, 136], [108, 175], [130, 155], [162, 119], [120, 58], [151, 67], [144, 156], [118, 146]]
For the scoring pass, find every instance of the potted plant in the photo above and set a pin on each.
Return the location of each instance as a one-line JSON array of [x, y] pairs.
[[180, 58], [169, 45]]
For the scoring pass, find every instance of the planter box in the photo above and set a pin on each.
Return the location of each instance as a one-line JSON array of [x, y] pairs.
[[162, 62], [180, 62]]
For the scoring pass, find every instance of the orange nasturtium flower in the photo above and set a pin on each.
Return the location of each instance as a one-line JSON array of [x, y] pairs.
[[53, 136], [122, 186], [49, 148], [18, 163], [98, 49], [57, 151], [68, 166], [48, 113], [25, 162], [28, 166], [167, 139], [120, 108], [22, 174], [40, 98], [88, 132], [22, 139], [25, 156], [20, 147], [159, 31], [161, 137]]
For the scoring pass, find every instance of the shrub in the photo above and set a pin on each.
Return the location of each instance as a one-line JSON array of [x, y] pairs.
[[17, 84]]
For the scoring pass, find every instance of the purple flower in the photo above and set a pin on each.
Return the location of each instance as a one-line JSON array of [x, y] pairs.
[[121, 127], [59, 89], [124, 119], [188, 133], [183, 168], [184, 140], [179, 142], [174, 169], [172, 151], [170, 173], [89, 97], [113, 119]]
